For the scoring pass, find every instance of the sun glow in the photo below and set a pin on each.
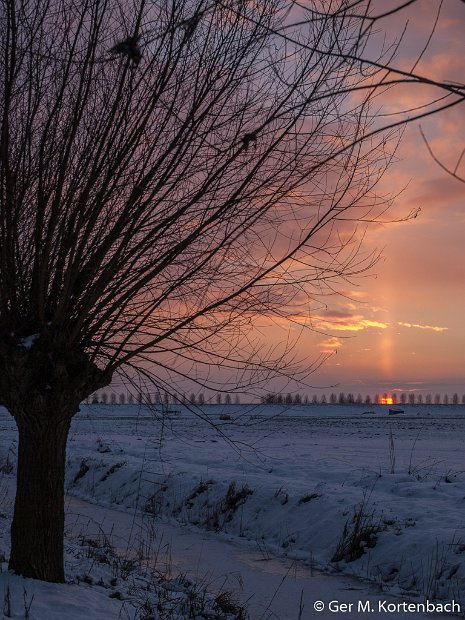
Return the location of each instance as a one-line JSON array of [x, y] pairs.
[[386, 400]]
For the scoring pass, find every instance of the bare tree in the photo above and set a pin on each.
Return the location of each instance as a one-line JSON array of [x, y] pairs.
[[169, 171], [379, 63]]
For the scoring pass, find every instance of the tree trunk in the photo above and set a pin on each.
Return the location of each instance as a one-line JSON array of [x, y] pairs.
[[38, 523]]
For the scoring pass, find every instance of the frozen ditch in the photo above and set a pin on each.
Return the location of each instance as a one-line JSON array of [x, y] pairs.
[[271, 588]]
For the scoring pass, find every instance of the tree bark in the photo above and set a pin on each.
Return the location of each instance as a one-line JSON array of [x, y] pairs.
[[38, 523]]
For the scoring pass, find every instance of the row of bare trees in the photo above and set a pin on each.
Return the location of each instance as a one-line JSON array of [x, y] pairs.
[[403, 398], [161, 399]]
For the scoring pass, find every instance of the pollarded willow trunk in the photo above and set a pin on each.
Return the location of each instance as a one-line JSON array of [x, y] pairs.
[[37, 530], [41, 385]]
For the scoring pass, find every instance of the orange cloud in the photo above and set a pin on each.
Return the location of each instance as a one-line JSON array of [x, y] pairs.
[[335, 320], [330, 345], [418, 326]]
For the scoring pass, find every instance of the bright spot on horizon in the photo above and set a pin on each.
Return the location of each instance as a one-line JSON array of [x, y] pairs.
[[386, 400]]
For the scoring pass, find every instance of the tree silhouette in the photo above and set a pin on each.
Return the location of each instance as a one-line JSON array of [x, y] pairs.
[[169, 172]]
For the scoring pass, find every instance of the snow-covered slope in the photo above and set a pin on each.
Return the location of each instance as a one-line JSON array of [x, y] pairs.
[[377, 496]]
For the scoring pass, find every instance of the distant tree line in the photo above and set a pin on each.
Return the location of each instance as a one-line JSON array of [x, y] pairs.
[[403, 398], [144, 398], [342, 398]]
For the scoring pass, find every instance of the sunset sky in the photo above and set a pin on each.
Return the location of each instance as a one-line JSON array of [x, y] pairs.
[[402, 328], [399, 328]]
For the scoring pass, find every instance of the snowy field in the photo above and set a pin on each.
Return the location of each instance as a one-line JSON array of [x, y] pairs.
[[283, 507]]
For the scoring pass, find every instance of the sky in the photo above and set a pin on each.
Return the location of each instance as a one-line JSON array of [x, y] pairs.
[[401, 327]]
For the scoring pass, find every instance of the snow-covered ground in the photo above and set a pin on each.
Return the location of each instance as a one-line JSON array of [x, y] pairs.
[[321, 488]]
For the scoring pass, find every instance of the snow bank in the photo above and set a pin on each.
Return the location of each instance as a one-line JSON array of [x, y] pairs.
[[378, 498], [371, 496]]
